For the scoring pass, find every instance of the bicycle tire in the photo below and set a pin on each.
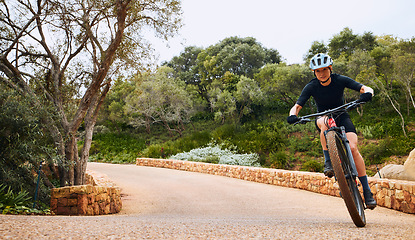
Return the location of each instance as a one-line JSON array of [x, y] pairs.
[[348, 187]]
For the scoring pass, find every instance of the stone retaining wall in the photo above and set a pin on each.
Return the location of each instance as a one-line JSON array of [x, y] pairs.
[[98, 198], [394, 194]]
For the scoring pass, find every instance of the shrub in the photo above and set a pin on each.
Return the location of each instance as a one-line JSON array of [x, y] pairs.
[[158, 150], [251, 137], [278, 159], [378, 152], [312, 166], [17, 203], [24, 142], [115, 147], [162, 150], [8, 198], [216, 154]]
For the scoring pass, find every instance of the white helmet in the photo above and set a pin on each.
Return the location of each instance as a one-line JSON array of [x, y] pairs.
[[320, 60]]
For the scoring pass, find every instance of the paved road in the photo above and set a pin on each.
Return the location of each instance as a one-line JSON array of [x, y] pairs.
[[170, 204]]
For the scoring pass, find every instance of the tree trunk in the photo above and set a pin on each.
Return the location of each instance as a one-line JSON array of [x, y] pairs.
[[82, 164], [147, 124], [90, 120]]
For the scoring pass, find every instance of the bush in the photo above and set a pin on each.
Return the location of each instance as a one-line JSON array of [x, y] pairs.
[[158, 150], [185, 144], [312, 166], [251, 137], [217, 154], [115, 147], [17, 203], [378, 152], [278, 160], [24, 142]]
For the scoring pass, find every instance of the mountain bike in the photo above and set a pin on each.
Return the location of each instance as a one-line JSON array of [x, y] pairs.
[[344, 167]]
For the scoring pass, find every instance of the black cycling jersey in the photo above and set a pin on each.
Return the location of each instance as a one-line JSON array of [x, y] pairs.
[[328, 97], [331, 96]]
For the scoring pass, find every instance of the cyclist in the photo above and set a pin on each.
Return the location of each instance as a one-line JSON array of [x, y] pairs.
[[327, 89]]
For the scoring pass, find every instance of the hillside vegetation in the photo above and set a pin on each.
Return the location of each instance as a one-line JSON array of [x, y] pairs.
[[236, 94]]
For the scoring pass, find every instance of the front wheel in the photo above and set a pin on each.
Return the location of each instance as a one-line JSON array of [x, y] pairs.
[[347, 183]]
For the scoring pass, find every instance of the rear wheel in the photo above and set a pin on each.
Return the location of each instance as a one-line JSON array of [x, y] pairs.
[[346, 181]]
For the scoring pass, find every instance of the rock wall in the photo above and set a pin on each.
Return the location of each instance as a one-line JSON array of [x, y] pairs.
[[98, 198], [394, 194]]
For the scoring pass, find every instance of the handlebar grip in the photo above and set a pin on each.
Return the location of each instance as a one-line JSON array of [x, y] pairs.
[[303, 121]]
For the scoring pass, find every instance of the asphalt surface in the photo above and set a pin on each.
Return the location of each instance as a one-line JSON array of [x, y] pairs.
[[169, 204]]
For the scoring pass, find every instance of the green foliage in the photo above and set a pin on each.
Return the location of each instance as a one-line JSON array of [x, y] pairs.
[[23, 142], [346, 43], [17, 203], [218, 68], [115, 147], [240, 56], [312, 166], [9, 198], [375, 153], [261, 138], [316, 47], [378, 152], [184, 144], [278, 160], [159, 98], [283, 82], [112, 110]]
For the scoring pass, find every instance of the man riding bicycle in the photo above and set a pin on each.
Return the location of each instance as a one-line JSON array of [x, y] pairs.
[[327, 89]]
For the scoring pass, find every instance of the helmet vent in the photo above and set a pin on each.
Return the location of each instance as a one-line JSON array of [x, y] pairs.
[[320, 60]]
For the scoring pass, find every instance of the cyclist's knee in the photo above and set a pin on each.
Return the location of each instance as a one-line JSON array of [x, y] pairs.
[[354, 148], [321, 123], [353, 142]]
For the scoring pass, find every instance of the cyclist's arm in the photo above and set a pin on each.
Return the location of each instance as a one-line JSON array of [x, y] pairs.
[[295, 109], [365, 89]]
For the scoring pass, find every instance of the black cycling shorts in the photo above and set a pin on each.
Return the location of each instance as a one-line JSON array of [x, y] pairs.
[[342, 120]]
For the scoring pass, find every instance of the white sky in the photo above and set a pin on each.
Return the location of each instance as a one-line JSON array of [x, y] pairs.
[[289, 26]]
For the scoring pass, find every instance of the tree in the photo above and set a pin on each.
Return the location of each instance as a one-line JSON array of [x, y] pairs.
[[222, 103], [225, 62], [359, 62], [346, 42], [63, 54], [247, 94], [186, 68], [316, 47], [112, 111], [160, 98], [240, 56], [283, 82], [185, 65], [404, 73]]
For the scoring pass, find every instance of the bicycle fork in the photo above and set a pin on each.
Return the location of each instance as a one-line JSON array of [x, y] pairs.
[[349, 152]]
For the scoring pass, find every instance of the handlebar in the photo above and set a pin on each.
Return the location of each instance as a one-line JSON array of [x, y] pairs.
[[343, 108]]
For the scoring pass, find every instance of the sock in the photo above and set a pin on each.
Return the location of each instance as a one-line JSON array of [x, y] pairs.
[[365, 184], [326, 155]]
